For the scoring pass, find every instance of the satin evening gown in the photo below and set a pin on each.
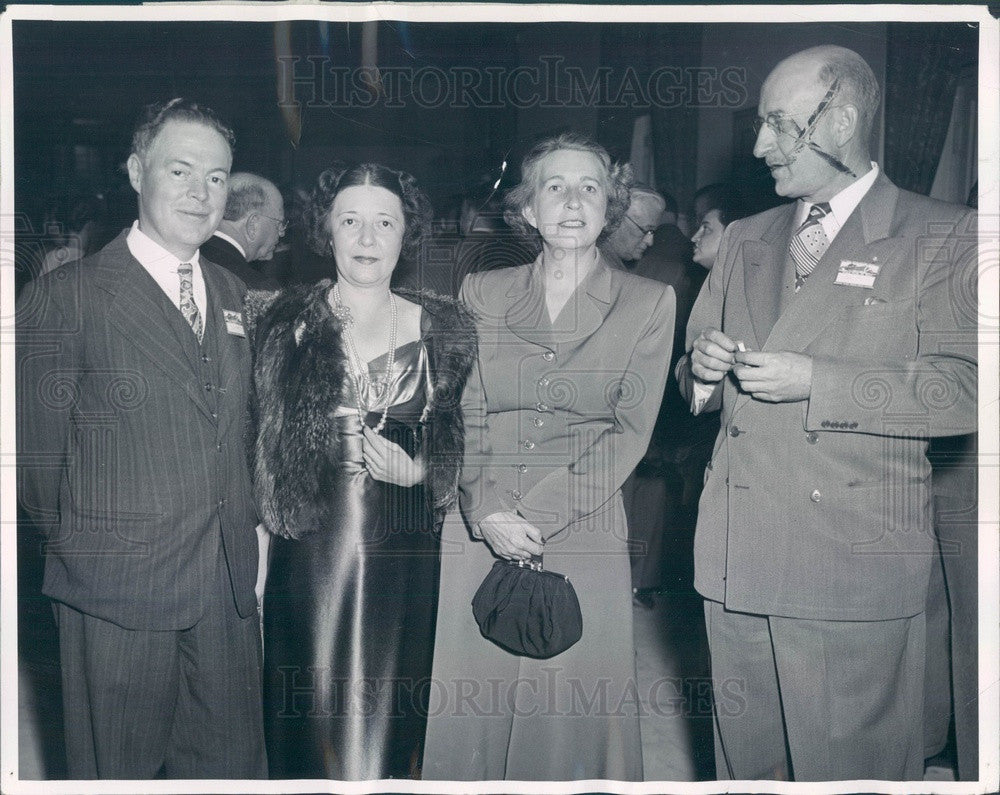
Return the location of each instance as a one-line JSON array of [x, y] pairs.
[[349, 611]]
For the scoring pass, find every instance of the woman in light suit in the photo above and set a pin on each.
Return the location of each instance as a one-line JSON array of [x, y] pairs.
[[573, 356]]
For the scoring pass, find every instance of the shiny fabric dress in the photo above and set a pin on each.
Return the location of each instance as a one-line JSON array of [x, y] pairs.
[[349, 608]]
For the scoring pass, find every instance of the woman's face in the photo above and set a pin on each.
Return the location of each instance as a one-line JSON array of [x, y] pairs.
[[570, 202], [366, 226], [706, 239]]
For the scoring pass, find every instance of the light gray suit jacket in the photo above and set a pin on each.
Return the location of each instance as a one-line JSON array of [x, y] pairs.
[[821, 508]]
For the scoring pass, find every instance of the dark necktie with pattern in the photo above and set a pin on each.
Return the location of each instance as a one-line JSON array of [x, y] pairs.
[[809, 243], [188, 307]]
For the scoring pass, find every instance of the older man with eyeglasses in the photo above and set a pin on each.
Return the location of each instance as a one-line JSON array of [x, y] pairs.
[[836, 334], [250, 229], [630, 239]]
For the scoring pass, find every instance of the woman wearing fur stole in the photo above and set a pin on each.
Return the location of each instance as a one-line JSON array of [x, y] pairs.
[[357, 454]]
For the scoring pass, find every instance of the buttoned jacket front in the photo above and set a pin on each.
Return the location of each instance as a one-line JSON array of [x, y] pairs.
[[821, 508], [558, 413]]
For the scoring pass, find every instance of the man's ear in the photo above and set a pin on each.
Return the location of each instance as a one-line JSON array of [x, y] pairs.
[[134, 165], [251, 226], [845, 124]]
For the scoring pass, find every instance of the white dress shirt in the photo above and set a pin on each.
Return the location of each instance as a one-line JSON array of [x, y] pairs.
[[841, 207], [162, 266]]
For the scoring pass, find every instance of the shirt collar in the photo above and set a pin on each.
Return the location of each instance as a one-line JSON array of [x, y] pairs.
[[845, 202], [231, 241], [152, 255]]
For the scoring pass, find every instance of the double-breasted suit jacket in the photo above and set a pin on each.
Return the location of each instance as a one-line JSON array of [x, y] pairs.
[[131, 442], [557, 415], [820, 509]]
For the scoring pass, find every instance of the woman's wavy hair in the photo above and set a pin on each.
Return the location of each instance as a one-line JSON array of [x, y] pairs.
[[417, 210], [619, 181]]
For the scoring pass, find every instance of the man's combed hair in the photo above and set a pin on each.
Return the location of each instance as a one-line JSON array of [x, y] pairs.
[[521, 195], [158, 114], [245, 196], [417, 210], [857, 84]]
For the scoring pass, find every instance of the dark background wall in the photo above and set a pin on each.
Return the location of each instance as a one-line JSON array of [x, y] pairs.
[[79, 86]]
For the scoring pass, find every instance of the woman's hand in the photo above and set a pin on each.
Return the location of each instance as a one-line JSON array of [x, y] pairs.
[[389, 462], [510, 536]]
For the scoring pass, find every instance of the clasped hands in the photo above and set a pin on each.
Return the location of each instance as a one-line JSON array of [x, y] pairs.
[[778, 377], [388, 462]]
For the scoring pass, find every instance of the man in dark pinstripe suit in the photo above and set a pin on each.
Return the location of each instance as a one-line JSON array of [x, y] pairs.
[[133, 376]]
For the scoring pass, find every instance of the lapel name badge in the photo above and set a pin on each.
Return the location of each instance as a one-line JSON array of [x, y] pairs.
[[234, 323], [857, 274]]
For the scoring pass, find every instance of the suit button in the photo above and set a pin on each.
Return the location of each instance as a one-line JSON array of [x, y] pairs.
[[543, 382], [205, 358], [522, 468], [812, 438], [541, 407], [529, 445], [734, 431], [208, 387], [222, 503], [219, 447], [515, 494], [815, 495], [215, 416], [549, 356], [538, 422]]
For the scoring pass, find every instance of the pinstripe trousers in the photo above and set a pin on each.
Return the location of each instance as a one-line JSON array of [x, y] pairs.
[[184, 701]]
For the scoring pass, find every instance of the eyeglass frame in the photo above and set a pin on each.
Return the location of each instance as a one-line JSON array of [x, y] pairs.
[[282, 224], [804, 136], [650, 231], [773, 120]]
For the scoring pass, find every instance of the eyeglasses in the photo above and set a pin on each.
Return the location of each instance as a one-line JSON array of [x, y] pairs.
[[642, 229], [784, 125], [282, 225]]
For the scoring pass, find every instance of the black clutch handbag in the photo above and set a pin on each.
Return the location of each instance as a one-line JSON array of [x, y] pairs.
[[526, 610]]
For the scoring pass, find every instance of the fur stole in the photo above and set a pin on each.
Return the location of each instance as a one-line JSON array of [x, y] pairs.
[[299, 372]]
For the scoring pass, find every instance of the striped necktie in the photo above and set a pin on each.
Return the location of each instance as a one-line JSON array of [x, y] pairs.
[[188, 307], [809, 243]]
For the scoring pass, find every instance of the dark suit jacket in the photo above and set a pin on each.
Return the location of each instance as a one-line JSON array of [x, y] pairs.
[[131, 442], [224, 253], [821, 508]]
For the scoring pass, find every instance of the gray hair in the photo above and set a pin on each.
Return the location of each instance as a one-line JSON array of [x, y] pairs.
[[247, 195]]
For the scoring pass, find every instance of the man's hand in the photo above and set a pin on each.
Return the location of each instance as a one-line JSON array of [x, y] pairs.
[[510, 536], [781, 377], [712, 356], [388, 462]]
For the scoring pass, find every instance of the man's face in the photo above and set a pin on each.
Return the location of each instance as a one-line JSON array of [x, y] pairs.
[[635, 232], [790, 95], [269, 226], [182, 185]]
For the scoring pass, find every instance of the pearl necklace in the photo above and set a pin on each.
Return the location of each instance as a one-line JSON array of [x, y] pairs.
[[359, 368]]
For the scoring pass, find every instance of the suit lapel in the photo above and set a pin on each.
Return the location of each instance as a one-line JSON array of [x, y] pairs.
[[143, 314], [820, 299], [527, 314], [766, 276]]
